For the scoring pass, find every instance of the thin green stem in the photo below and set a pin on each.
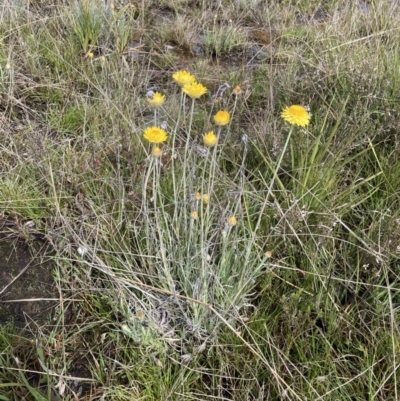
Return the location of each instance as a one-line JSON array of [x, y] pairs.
[[278, 165], [145, 183], [269, 193], [213, 166], [157, 213], [228, 127], [173, 159], [186, 159]]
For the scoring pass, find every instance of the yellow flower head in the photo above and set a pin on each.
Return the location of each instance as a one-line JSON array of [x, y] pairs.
[[155, 135], [156, 100], [194, 90], [206, 199], [222, 117], [183, 77], [296, 115], [194, 215], [210, 139], [232, 221], [197, 196], [237, 90], [156, 152]]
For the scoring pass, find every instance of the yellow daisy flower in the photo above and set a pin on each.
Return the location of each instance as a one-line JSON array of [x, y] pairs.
[[237, 90], [156, 152], [296, 115], [155, 135], [183, 77], [206, 199], [232, 221], [222, 117], [197, 196], [156, 100], [194, 90], [210, 139], [194, 215]]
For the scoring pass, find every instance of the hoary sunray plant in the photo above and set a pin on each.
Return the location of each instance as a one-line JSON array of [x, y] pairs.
[[205, 226]]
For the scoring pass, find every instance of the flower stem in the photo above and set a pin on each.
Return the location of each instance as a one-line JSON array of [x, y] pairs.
[[278, 165], [265, 203], [173, 156], [186, 162], [213, 165]]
